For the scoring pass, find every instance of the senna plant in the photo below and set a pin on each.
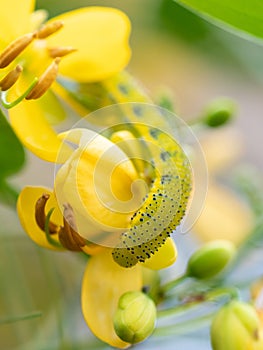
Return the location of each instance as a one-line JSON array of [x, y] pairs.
[[129, 175]]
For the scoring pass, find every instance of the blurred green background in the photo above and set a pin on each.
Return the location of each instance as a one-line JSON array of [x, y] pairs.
[[172, 49]]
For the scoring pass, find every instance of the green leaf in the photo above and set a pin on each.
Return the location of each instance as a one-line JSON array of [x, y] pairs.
[[244, 18], [12, 155]]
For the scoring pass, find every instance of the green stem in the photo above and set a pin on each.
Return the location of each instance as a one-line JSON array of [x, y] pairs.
[[232, 292], [178, 309], [174, 283], [20, 318], [184, 327], [212, 295], [8, 194]]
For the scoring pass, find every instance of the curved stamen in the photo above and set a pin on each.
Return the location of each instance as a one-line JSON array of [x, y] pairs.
[[49, 29], [15, 48], [12, 104], [40, 215], [60, 51], [68, 236], [45, 81], [10, 79]]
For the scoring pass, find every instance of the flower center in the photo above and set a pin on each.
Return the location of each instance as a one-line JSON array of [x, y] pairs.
[[40, 54]]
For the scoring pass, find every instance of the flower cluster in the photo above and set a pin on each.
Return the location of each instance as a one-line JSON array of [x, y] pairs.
[[123, 183]]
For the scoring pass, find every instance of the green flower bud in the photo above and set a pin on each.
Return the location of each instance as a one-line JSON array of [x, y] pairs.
[[236, 327], [219, 112], [135, 317], [210, 259]]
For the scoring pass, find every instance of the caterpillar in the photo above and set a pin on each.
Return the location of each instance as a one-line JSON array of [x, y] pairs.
[[169, 174], [165, 204]]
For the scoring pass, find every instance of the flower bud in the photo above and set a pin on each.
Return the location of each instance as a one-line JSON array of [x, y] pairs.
[[236, 327], [219, 112], [135, 317], [210, 259]]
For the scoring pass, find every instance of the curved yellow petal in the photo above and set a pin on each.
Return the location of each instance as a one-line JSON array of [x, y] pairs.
[[15, 18], [29, 123], [103, 283], [101, 184], [100, 35], [164, 257], [26, 213]]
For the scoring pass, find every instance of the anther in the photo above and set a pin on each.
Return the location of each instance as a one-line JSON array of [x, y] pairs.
[[68, 236], [11, 78], [45, 81], [40, 215], [49, 29], [15, 48], [60, 51]]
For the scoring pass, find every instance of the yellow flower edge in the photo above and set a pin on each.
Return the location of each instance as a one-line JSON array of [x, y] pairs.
[[103, 284]]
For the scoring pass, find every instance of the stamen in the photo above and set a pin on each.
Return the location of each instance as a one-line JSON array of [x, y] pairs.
[[11, 78], [49, 29], [40, 215], [10, 104], [60, 51], [15, 48], [45, 81], [68, 236]]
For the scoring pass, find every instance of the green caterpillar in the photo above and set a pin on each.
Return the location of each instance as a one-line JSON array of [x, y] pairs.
[[165, 204]]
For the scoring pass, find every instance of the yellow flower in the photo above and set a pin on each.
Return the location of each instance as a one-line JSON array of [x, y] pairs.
[[94, 42], [104, 281]]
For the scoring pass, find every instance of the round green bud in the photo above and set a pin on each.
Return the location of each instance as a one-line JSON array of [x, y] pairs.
[[210, 259], [135, 317], [236, 327], [219, 112]]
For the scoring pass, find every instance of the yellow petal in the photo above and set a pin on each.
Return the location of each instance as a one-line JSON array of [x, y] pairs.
[[103, 283], [101, 184], [225, 216], [26, 212], [100, 36], [15, 18], [30, 125], [164, 257]]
